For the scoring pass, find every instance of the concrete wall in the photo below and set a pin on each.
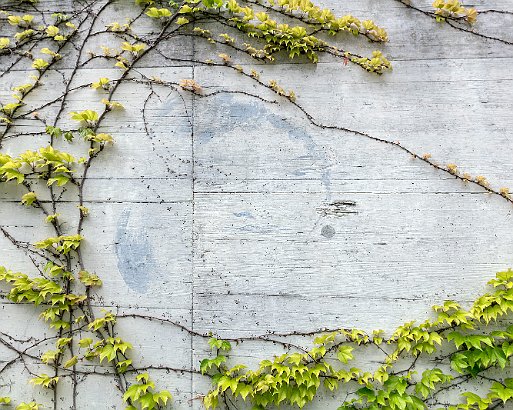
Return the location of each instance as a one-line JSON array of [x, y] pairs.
[[237, 216]]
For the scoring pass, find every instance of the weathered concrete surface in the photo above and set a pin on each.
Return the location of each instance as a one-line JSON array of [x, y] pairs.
[[233, 215]]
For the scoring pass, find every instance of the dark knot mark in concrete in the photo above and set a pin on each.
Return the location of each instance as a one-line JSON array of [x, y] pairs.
[[338, 208]]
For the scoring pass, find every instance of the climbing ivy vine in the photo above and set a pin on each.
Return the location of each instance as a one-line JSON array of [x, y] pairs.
[[462, 345]]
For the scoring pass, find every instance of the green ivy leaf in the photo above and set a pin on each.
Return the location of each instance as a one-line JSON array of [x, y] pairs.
[[28, 199], [28, 406], [71, 362], [344, 353]]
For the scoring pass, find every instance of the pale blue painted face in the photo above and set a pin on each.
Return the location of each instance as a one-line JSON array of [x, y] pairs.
[[134, 253], [232, 112]]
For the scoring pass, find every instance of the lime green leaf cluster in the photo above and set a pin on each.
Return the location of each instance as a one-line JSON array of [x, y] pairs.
[[377, 64], [47, 51], [276, 381], [88, 117], [40, 64], [4, 43], [61, 303], [84, 211], [492, 306], [45, 381], [317, 15], [100, 138], [32, 290], [112, 105], [29, 198], [101, 322], [20, 21], [290, 378], [431, 378], [8, 109], [393, 396], [52, 31], [50, 356], [295, 40], [332, 23], [89, 279], [115, 27], [52, 218], [135, 49], [219, 344], [156, 13], [46, 161], [24, 35], [103, 82], [57, 271], [56, 132], [451, 314], [481, 351], [29, 406], [62, 244], [453, 9], [112, 350], [142, 394]]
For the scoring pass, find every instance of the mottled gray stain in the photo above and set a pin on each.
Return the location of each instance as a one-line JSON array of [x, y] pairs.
[[134, 253]]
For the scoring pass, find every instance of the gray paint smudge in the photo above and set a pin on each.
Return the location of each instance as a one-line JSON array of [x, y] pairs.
[[134, 254], [244, 214]]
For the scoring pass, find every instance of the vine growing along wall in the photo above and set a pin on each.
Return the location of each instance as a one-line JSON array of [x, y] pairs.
[[50, 149]]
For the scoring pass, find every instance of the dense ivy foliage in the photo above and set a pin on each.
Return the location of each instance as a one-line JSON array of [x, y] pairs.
[[465, 343], [476, 347]]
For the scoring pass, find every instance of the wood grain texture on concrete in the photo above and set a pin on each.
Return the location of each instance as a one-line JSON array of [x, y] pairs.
[[238, 216]]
